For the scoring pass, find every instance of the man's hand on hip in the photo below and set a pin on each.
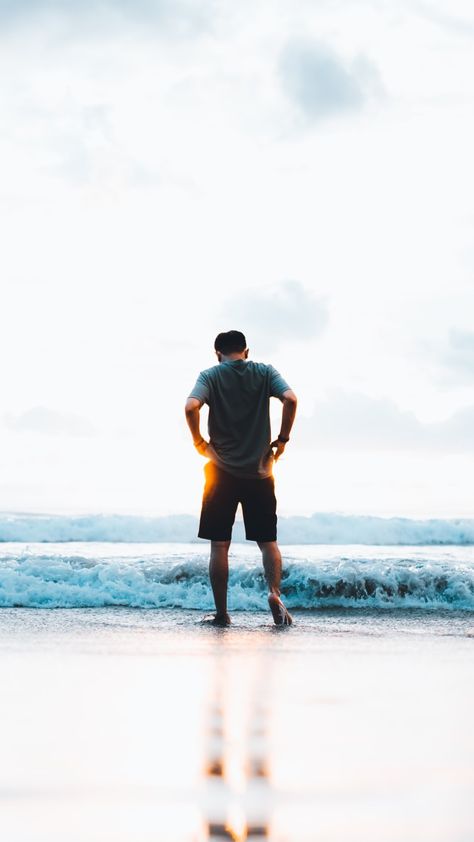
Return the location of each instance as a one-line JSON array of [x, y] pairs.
[[201, 446], [280, 448]]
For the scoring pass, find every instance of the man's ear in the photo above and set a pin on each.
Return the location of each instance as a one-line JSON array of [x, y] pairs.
[[246, 353], [219, 355]]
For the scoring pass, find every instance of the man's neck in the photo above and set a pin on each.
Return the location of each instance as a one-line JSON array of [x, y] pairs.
[[227, 358]]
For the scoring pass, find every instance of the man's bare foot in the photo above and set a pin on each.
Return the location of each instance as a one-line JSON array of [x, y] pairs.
[[281, 617], [217, 620]]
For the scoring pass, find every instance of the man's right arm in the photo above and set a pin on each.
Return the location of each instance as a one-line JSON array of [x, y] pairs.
[[191, 409], [198, 396], [289, 401]]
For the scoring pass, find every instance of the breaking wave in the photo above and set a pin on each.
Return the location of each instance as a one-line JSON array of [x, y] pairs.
[[320, 528], [67, 581]]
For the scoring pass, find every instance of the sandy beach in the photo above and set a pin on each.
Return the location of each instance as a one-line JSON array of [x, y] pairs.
[[124, 724]]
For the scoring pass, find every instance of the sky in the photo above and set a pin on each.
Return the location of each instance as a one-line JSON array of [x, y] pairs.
[[298, 170]]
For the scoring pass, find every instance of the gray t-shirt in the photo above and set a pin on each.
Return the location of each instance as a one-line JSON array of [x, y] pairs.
[[238, 393]]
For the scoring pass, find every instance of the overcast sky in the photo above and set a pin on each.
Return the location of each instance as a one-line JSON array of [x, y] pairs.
[[296, 170]]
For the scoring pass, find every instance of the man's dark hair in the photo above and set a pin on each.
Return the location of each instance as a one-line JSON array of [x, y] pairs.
[[231, 342]]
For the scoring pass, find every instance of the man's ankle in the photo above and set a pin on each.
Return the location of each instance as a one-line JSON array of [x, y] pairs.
[[222, 619]]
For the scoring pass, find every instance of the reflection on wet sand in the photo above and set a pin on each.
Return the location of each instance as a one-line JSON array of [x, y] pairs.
[[236, 767], [331, 731]]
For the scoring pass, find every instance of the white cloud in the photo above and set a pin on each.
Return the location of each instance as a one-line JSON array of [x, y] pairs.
[[436, 13], [270, 317], [320, 83], [42, 419], [460, 353], [168, 18], [355, 421]]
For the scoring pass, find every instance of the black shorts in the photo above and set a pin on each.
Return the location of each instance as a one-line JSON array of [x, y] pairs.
[[222, 494]]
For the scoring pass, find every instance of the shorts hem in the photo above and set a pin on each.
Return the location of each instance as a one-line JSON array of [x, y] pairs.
[[214, 537]]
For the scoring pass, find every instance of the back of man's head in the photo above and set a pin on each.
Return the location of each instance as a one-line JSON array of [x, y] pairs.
[[231, 342]]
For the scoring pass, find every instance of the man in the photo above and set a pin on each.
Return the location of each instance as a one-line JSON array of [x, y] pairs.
[[241, 457]]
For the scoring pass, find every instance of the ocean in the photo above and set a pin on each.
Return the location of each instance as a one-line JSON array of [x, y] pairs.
[[126, 718], [166, 576]]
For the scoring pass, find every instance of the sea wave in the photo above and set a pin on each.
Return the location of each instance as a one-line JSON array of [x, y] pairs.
[[319, 528], [62, 581]]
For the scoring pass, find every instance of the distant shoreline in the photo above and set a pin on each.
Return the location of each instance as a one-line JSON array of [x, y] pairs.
[[319, 528]]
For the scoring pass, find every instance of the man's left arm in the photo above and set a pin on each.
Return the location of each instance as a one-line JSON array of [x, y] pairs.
[[289, 401], [192, 410]]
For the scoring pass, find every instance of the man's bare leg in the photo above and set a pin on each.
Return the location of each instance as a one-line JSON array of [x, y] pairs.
[[219, 575], [271, 557]]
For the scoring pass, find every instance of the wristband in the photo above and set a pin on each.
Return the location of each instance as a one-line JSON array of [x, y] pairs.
[[283, 439]]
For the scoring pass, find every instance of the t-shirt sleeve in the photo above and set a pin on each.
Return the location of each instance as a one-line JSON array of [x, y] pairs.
[[277, 384], [200, 389]]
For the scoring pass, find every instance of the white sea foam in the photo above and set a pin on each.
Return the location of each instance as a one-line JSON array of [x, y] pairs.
[[39, 579], [320, 528]]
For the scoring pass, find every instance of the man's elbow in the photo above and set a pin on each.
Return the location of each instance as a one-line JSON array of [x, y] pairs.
[[191, 405], [289, 398]]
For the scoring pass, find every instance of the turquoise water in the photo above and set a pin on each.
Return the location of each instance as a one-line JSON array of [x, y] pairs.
[[165, 576]]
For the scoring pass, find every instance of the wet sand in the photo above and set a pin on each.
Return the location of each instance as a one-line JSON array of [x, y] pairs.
[[145, 725]]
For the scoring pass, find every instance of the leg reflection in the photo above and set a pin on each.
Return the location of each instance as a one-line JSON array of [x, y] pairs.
[[232, 811], [218, 798], [219, 831], [258, 794], [215, 743]]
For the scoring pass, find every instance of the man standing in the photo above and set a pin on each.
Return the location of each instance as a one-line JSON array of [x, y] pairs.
[[240, 451]]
